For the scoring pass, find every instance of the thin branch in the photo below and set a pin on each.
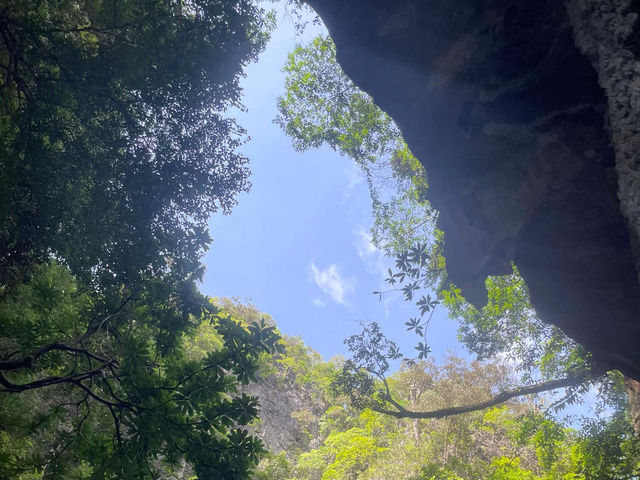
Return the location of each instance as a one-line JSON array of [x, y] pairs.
[[210, 366], [104, 401], [388, 396], [116, 423]]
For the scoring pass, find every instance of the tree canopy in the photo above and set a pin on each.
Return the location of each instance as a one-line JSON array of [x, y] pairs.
[[321, 105], [515, 440], [115, 148], [127, 397]]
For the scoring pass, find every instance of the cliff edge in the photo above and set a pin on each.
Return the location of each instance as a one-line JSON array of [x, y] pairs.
[[526, 116]]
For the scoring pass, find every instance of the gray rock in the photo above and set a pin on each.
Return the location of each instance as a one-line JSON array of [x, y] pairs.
[[525, 116]]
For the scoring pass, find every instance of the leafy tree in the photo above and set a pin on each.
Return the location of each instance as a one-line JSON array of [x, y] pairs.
[[275, 467], [343, 454], [126, 400], [364, 377], [610, 449], [516, 440], [322, 106], [115, 148]]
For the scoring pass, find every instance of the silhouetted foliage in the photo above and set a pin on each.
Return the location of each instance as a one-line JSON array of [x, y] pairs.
[[115, 149]]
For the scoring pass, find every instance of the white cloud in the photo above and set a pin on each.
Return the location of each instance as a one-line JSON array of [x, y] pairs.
[[364, 243], [372, 256], [332, 283], [318, 303], [375, 263], [354, 177]]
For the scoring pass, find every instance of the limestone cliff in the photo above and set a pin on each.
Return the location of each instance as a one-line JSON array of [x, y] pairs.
[[285, 407], [526, 117]]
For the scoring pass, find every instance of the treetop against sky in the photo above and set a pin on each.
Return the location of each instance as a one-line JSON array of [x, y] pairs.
[[299, 245]]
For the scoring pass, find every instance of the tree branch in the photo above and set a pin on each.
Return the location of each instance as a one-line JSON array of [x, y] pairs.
[[47, 381], [501, 397], [27, 362]]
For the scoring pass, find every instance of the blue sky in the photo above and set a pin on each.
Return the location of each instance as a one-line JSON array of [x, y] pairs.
[[297, 245]]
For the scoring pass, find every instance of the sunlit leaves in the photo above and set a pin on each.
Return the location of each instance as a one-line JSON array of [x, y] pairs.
[[323, 106], [131, 393], [508, 325], [514, 441]]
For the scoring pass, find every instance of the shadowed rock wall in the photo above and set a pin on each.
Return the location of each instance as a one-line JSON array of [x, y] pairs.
[[526, 139]]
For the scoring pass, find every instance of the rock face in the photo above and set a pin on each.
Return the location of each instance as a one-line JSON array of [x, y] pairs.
[[526, 116], [285, 407]]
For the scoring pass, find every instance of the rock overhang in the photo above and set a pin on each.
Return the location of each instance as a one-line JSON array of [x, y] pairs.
[[508, 114]]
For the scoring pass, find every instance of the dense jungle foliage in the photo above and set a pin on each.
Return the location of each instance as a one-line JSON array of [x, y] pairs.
[[114, 151], [520, 439], [114, 365]]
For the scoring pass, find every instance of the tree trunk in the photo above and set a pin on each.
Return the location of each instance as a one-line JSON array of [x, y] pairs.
[[415, 423], [633, 393]]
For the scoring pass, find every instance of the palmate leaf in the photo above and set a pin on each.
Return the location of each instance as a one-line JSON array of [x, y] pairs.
[[391, 278], [424, 305], [412, 323], [423, 350], [402, 260], [409, 289], [419, 255]]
